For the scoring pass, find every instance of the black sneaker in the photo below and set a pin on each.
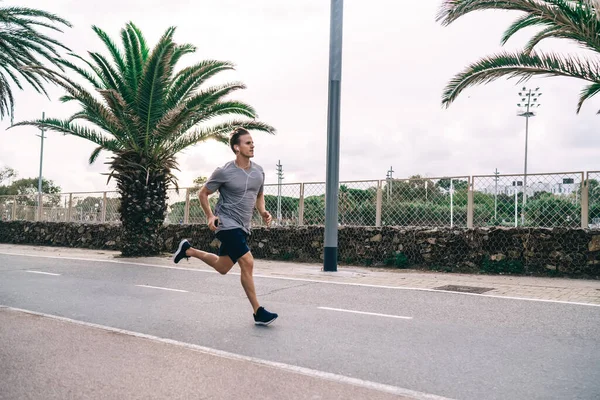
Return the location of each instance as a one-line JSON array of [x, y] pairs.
[[180, 253], [263, 317]]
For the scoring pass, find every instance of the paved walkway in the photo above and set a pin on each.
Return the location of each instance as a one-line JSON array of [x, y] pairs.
[[553, 289]]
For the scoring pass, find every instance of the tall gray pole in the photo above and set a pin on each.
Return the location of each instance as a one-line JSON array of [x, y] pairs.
[[39, 200], [333, 136], [525, 169], [532, 97], [41, 157]]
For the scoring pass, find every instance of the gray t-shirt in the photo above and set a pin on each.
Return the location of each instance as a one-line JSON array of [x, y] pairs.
[[238, 190]]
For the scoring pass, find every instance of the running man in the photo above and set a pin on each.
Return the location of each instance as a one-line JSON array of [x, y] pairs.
[[240, 185]]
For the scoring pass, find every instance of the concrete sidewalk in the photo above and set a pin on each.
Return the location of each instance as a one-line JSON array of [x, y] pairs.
[[551, 289]]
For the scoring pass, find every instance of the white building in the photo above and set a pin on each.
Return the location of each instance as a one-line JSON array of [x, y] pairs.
[[533, 187]]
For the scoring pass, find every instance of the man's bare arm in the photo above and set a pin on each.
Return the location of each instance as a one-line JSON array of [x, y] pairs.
[[260, 206], [203, 197]]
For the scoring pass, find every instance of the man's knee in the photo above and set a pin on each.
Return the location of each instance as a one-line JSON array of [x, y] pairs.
[[246, 262], [224, 265]]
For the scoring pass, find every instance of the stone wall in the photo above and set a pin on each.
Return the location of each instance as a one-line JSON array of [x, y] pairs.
[[542, 252]]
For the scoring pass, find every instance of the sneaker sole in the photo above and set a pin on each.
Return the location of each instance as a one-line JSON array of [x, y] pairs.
[[265, 323], [178, 249]]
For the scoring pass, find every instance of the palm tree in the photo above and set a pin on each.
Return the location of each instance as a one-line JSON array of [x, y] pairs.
[[145, 114], [578, 21], [22, 45]]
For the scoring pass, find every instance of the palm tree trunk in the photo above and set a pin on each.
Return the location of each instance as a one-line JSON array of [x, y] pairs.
[[143, 209]]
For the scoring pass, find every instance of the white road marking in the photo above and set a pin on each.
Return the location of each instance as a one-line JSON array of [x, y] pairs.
[[43, 273], [239, 357], [284, 278], [162, 288], [364, 312]]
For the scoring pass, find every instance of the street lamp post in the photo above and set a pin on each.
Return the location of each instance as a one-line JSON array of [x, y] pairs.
[[333, 136], [529, 101], [40, 176]]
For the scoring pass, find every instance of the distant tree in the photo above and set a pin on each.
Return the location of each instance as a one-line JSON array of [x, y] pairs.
[[7, 173], [457, 184], [197, 185], [29, 187]]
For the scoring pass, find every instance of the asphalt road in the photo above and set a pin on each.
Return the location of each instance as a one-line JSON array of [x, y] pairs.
[[451, 345]]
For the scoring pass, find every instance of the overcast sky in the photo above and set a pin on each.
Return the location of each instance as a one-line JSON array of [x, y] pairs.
[[396, 62]]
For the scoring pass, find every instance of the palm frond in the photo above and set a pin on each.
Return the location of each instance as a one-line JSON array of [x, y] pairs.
[[135, 54], [180, 51], [522, 66], [82, 72], [113, 49], [68, 128], [586, 93], [150, 96], [188, 80], [95, 154], [213, 95], [143, 47], [538, 37], [218, 132], [179, 120], [7, 100], [15, 15], [577, 20], [93, 107], [66, 98], [525, 21], [22, 44], [131, 123]]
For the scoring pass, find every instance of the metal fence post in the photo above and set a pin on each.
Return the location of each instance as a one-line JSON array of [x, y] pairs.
[[14, 208], [301, 206], [516, 207], [103, 214], [70, 210], [186, 212], [585, 201], [379, 204], [470, 206], [451, 203]]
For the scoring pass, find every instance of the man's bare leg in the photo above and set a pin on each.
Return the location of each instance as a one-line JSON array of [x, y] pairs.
[[247, 265], [222, 264]]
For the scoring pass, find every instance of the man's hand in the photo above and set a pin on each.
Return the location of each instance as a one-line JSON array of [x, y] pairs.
[[266, 216], [211, 223]]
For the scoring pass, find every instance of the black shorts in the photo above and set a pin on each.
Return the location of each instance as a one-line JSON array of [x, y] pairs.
[[233, 243]]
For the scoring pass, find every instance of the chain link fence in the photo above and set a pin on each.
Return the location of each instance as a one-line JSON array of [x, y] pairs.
[[431, 202], [283, 202], [540, 200], [314, 203]]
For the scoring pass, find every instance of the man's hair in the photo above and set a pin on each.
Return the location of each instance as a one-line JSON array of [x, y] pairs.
[[235, 137]]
